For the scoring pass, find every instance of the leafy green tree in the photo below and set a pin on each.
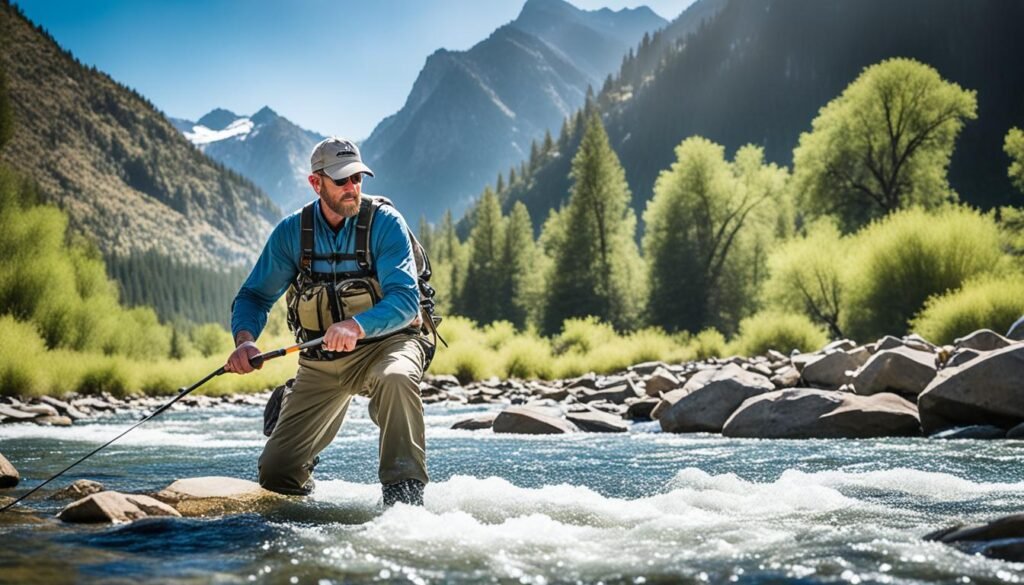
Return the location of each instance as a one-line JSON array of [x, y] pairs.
[[481, 297], [1014, 147], [884, 144], [211, 339], [806, 275], [596, 268], [708, 229]]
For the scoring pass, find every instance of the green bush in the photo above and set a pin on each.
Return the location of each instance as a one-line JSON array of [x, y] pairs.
[[108, 375], [582, 335], [708, 343], [779, 331], [899, 262], [527, 357], [498, 333], [21, 358], [211, 339], [990, 302]]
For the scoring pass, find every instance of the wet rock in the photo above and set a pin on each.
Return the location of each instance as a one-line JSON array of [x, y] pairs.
[[829, 371], [971, 432], [1016, 432], [901, 370], [206, 496], [660, 381], [804, 413], [9, 476], [1002, 538], [595, 421], [530, 421], [666, 401], [52, 421], [40, 409], [641, 409], [985, 390], [443, 380], [480, 422], [707, 408], [614, 394], [78, 489], [1016, 331], [982, 340], [63, 408], [91, 403], [114, 507]]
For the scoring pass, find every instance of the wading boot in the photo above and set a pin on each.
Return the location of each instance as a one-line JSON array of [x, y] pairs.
[[407, 491]]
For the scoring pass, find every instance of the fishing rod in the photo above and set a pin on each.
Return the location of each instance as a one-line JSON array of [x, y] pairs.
[[256, 361]]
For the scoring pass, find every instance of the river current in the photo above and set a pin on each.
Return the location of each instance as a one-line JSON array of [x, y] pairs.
[[639, 507]]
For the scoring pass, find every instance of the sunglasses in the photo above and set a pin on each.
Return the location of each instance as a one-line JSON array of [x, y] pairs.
[[356, 179]]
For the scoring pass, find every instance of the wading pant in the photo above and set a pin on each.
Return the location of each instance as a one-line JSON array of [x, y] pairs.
[[389, 372]]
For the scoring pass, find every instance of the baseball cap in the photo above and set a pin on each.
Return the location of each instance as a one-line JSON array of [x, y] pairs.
[[338, 158]]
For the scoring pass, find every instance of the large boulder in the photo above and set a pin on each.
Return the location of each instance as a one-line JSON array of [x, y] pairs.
[[804, 413], [206, 496], [78, 490], [530, 421], [707, 408], [9, 476], [982, 340], [830, 371], [1016, 331], [1002, 538], [901, 370], [114, 507], [985, 390]]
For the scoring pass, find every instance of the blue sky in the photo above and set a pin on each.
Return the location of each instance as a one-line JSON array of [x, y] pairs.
[[335, 67]]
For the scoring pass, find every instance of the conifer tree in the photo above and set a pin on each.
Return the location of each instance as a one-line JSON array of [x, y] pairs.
[[499, 187], [481, 297], [524, 269], [549, 143], [1013, 146], [596, 268]]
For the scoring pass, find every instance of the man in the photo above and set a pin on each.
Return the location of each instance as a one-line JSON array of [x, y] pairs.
[[374, 353]]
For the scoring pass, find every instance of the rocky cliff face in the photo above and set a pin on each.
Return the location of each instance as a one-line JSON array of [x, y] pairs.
[[126, 177], [472, 114]]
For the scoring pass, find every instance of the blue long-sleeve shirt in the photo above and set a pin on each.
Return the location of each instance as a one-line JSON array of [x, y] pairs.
[[278, 265]]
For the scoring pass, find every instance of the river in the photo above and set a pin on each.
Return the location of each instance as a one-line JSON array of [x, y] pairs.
[[639, 507]]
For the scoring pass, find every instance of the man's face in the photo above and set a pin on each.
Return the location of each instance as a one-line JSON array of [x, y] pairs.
[[344, 199]]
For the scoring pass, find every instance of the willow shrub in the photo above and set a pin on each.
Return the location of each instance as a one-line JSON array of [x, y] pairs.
[[897, 263], [708, 343], [989, 302], [779, 331]]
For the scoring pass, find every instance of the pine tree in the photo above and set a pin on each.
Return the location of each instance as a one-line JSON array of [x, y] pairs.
[[499, 186], [549, 143], [596, 269], [524, 270], [482, 297]]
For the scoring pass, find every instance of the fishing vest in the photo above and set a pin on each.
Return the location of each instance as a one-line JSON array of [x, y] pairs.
[[316, 300]]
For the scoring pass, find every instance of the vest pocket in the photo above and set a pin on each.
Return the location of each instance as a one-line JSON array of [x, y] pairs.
[[355, 296], [314, 308]]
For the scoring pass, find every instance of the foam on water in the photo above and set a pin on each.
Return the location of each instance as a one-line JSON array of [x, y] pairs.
[[800, 525], [207, 435]]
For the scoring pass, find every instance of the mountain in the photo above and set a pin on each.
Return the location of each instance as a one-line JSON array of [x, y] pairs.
[[266, 147], [471, 114], [758, 72], [126, 177]]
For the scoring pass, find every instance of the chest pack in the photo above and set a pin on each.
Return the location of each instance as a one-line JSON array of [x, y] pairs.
[[316, 300]]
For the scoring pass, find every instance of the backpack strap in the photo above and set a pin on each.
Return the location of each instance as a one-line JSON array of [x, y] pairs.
[[364, 222], [306, 241]]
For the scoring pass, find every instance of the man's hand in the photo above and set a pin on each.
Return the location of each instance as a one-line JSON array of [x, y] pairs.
[[239, 360], [343, 336]]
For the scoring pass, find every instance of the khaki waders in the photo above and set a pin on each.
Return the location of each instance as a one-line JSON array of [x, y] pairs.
[[312, 411]]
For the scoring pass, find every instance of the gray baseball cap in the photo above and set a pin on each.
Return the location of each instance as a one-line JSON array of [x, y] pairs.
[[338, 158]]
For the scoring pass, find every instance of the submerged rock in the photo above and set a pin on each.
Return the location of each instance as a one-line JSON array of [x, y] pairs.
[[79, 489], [986, 390], [971, 432], [9, 476], [804, 413], [114, 507], [529, 421], [215, 495], [1002, 538], [480, 422]]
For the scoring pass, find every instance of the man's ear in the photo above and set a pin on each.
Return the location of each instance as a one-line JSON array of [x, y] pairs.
[[314, 182]]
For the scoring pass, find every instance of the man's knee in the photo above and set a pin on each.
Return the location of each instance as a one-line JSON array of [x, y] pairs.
[[285, 476]]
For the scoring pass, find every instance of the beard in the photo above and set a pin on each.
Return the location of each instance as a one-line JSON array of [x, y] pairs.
[[344, 207]]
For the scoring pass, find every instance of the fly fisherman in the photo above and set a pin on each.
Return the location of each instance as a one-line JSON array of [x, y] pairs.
[[357, 287]]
